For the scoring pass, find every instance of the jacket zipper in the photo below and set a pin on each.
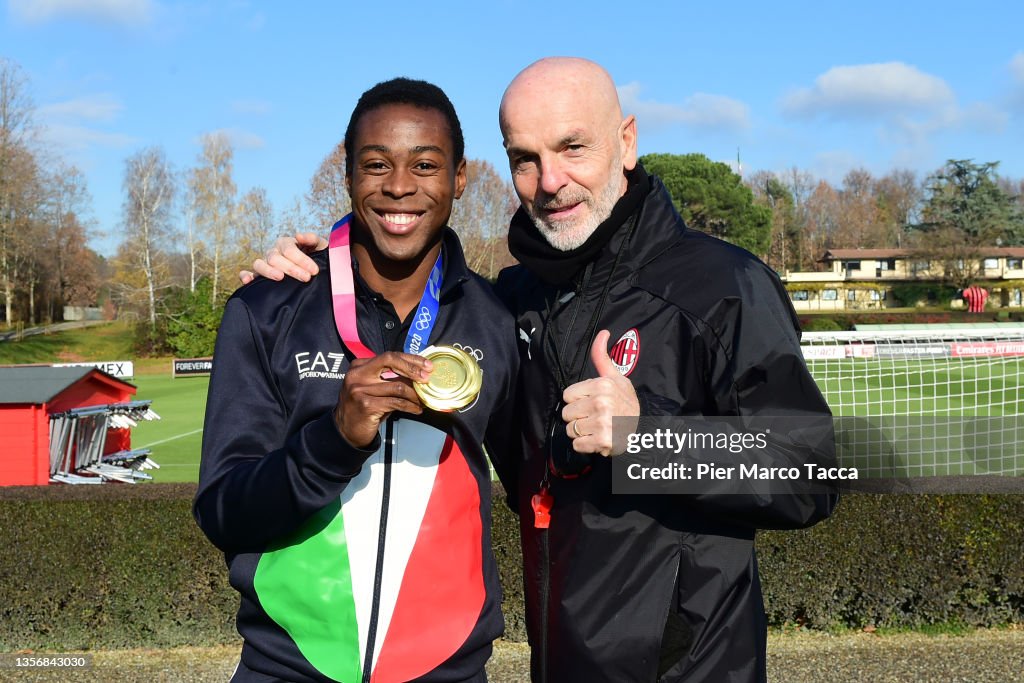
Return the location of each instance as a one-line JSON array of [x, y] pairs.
[[545, 545], [545, 592], [378, 578], [572, 323]]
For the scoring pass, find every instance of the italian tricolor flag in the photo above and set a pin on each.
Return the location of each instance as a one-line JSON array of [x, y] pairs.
[[318, 585]]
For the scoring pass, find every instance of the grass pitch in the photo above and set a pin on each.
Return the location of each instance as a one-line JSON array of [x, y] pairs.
[[942, 386], [927, 417], [176, 438], [952, 391]]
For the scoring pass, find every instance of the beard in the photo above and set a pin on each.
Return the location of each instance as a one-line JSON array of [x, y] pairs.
[[569, 234]]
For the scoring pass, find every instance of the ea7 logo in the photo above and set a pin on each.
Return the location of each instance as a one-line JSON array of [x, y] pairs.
[[319, 365], [626, 352]]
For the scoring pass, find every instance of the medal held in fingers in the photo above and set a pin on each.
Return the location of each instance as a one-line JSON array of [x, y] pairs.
[[455, 381]]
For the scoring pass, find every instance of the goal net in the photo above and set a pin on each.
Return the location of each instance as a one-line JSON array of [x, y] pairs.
[[924, 402]]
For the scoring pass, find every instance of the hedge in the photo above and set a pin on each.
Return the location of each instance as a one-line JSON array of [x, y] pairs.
[[109, 566], [932, 293], [125, 566], [900, 561]]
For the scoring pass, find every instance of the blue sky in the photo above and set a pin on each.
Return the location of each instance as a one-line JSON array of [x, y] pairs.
[[822, 86]]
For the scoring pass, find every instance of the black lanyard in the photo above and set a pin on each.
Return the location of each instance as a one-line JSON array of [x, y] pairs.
[[549, 343]]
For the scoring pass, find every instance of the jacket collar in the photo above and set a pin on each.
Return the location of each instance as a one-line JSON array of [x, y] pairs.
[[658, 226], [456, 272]]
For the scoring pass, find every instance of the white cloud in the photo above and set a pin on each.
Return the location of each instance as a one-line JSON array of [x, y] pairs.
[[979, 117], [257, 22], [1015, 99], [122, 12], [982, 117], [240, 139], [909, 108], [1017, 68], [700, 110], [75, 125], [251, 107], [99, 107], [73, 138], [870, 90]]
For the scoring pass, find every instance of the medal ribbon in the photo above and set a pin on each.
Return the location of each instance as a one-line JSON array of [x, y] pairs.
[[343, 296]]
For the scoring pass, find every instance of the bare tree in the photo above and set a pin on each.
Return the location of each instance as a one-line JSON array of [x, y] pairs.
[[822, 220], [192, 242], [784, 247], [24, 199], [67, 207], [294, 219], [481, 218], [17, 170], [80, 275], [255, 224], [800, 185], [29, 260], [899, 195], [34, 263], [856, 220], [213, 193], [328, 195], [149, 187], [16, 108]]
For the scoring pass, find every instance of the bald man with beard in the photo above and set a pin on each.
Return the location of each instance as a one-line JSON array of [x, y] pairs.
[[624, 312]]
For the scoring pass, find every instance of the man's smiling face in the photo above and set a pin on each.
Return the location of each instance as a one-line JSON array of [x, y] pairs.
[[404, 179], [568, 147]]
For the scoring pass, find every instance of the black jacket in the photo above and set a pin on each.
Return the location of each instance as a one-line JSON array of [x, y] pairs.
[[655, 587], [335, 548]]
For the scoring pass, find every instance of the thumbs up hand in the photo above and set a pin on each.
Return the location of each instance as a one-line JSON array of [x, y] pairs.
[[591, 404]]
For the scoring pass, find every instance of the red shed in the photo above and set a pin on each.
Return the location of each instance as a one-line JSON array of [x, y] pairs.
[[29, 394]]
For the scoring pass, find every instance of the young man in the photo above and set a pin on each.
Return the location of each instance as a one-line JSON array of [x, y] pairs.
[[623, 588], [355, 519]]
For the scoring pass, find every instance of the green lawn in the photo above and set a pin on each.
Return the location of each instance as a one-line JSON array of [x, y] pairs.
[[941, 386], [927, 417], [176, 438], [100, 342]]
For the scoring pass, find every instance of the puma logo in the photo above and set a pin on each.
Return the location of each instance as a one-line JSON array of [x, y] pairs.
[[527, 337]]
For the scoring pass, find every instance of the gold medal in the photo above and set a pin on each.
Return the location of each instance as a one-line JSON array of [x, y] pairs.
[[455, 381]]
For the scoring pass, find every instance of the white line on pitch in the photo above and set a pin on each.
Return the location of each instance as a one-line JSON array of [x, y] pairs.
[[179, 436]]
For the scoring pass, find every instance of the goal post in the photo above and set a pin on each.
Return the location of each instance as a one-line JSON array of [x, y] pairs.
[[930, 401]]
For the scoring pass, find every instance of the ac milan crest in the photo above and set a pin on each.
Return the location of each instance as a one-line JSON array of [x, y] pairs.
[[626, 352]]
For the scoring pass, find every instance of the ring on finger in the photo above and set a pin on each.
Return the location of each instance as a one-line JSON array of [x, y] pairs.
[[576, 428]]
